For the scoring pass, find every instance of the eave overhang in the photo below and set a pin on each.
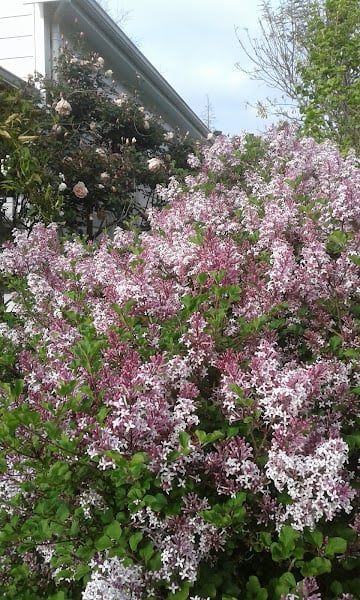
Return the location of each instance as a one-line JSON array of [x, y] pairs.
[[11, 79]]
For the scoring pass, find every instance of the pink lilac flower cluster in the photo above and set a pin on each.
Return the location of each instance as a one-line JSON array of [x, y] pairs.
[[113, 580], [307, 589], [268, 274], [183, 541]]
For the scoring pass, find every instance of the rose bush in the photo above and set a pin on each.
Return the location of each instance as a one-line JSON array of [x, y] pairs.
[[81, 126], [179, 408]]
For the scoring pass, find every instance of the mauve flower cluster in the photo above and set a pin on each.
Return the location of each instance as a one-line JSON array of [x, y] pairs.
[[237, 307], [113, 580]]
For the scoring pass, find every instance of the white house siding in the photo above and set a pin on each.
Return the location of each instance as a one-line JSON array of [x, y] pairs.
[[22, 48]]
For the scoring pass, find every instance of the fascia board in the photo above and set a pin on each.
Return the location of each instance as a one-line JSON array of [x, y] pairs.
[[11, 79]]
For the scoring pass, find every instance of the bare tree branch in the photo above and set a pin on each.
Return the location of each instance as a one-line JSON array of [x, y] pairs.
[[279, 49]]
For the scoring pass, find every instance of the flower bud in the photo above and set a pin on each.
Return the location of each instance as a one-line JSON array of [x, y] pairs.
[[63, 107]]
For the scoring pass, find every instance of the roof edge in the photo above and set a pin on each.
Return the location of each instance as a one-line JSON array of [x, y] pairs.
[[11, 79], [156, 84]]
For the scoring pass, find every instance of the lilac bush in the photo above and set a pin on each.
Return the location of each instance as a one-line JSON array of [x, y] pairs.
[[179, 408]]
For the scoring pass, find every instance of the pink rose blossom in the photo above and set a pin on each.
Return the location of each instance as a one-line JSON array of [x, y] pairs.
[[154, 164], [80, 190]]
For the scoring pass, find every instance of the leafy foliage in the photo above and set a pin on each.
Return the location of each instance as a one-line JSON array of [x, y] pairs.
[[309, 52], [84, 153], [179, 408], [329, 92], [22, 120]]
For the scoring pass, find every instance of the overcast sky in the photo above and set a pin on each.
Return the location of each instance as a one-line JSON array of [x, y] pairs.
[[193, 44]]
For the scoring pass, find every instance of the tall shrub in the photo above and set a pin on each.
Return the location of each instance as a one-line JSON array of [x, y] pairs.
[[179, 408], [95, 153]]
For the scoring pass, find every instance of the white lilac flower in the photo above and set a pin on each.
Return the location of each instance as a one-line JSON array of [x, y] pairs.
[[113, 580], [193, 161]]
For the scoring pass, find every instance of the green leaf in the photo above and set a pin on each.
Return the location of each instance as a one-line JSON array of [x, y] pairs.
[[339, 237], [134, 540], [67, 388], [138, 459], [288, 537], [336, 588], [85, 552], [182, 594], [353, 440], [288, 579], [209, 438], [315, 538], [147, 552], [254, 591], [189, 302], [154, 563], [113, 530], [355, 259], [317, 566], [265, 539], [103, 542], [184, 439], [335, 342], [81, 571], [335, 545], [62, 513], [63, 573], [60, 471], [58, 596], [74, 529], [208, 589], [277, 552], [157, 502]]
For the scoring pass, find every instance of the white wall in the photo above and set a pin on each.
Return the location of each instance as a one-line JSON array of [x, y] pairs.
[[22, 48]]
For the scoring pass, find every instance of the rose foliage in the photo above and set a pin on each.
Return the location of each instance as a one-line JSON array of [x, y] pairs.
[[83, 152], [179, 408]]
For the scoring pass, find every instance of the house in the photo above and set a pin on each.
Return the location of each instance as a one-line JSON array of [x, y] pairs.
[[31, 33]]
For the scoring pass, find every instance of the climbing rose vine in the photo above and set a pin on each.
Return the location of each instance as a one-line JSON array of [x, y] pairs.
[[180, 408], [89, 155]]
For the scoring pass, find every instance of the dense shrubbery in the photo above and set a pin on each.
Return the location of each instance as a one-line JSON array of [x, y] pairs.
[[179, 410], [82, 152]]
